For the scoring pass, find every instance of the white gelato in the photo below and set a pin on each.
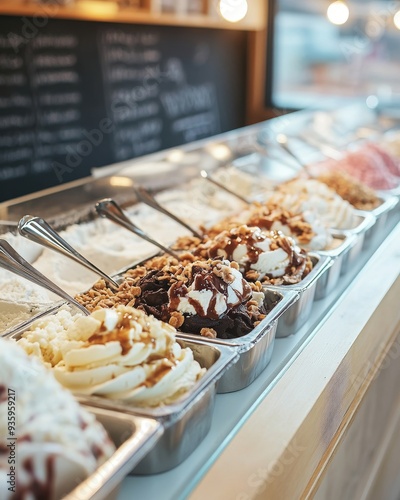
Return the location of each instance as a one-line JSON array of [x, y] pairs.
[[200, 203], [251, 185], [117, 353], [269, 253], [201, 298], [57, 442], [14, 313], [315, 200]]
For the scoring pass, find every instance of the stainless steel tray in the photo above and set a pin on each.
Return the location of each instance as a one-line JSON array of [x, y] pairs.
[[185, 422], [254, 349], [299, 312], [381, 213], [134, 437], [365, 223], [346, 252]]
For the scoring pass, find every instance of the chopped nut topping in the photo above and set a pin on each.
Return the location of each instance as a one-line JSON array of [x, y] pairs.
[[209, 333]]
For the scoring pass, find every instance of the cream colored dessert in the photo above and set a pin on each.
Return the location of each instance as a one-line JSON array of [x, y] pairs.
[[262, 255], [270, 217], [243, 183], [14, 313], [200, 203], [315, 200], [48, 443], [116, 353]]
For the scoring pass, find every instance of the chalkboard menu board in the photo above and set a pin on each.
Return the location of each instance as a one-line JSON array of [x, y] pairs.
[[76, 95]]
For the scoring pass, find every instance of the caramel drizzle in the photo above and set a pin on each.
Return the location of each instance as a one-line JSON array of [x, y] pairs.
[[161, 371], [121, 334]]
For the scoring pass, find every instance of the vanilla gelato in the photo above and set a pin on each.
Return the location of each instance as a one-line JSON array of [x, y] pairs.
[[268, 256], [199, 203], [14, 313], [315, 200], [269, 217], [115, 353], [53, 443], [251, 185]]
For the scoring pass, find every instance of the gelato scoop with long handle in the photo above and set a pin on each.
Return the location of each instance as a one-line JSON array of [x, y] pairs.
[[38, 230], [12, 261], [110, 209]]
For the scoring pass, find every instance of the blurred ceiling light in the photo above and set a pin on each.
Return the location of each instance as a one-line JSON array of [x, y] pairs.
[[233, 10], [338, 12], [396, 19]]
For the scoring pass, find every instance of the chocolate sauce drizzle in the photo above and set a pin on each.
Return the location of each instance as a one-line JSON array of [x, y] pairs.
[[229, 241], [206, 280]]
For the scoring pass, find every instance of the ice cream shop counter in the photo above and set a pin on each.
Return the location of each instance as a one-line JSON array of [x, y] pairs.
[[273, 253], [327, 425]]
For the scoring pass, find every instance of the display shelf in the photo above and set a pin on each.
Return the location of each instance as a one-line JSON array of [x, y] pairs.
[[146, 12], [233, 411]]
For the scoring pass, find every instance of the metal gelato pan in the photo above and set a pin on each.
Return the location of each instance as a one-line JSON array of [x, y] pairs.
[[185, 422], [342, 255], [133, 437], [254, 349], [381, 213], [364, 223], [299, 312]]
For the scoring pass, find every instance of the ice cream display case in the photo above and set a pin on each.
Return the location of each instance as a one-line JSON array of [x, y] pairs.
[[316, 307]]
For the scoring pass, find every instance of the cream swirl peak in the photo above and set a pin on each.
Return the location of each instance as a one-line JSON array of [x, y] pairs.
[[311, 197], [262, 255], [119, 354]]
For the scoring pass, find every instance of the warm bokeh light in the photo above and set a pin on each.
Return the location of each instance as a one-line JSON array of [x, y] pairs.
[[396, 19], [338, 12], [175, 156], [233, 10], [220, 152], [120, 181], [98, 8]]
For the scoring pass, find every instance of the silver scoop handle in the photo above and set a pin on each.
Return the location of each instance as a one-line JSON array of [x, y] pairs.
[[12, 261], [207, 176], [110, 209], [284, 143], [38, 230], [149, 199]]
